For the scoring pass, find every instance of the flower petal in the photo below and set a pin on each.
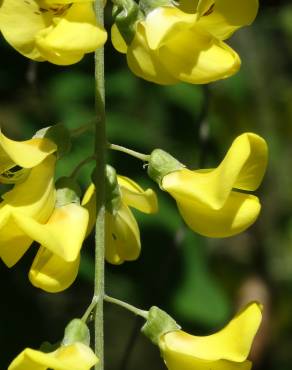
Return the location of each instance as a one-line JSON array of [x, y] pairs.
[[253, 151], [62, 234], [232, 343], [35, 197], [189, 6], [164, 23], [196, 57], [54, 2], [51, 273], [226, 16], [243, 168], [117, 40], [73, 35], [122, 236], [238, 213], [204, 6], [134, 196], [76, 356], [25, 13], [13, 242], [27, 154], [144, 62], [175, 361], [89, 203]]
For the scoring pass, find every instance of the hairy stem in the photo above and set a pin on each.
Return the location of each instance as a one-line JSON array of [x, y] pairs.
[[100, 149]]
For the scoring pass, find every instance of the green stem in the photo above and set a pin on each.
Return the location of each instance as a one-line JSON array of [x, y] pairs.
[[82, 129], [133, 153], [127, 306], [89, 309], [82, 163], [100, 152]]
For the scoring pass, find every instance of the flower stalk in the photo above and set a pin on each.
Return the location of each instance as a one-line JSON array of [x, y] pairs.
[[90, 308], [127, 306], [99, 180], [133, 153]]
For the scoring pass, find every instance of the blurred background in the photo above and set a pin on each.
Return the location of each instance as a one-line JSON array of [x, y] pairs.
[[200, 281]]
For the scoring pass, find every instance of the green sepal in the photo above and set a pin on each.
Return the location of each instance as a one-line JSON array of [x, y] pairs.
[[158, 323], [148, 5], [112, 190], [76, 331], [68, 191], [59, 134], [161, 164], [126, 13]]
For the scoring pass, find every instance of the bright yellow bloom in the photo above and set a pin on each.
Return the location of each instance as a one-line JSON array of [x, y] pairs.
[[76, 356], [26, 154], [56, 264], [172, 44], [60, 31], [210, 200], [122, 231], [227, 349], [35, 198]]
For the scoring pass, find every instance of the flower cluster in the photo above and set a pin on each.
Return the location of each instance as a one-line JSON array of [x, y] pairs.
[[51, 214], [186, 42], [165, 42], [73, 352], [122, 235], [36, 209], [60, 31]]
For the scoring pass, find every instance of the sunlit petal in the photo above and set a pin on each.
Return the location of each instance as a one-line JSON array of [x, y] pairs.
[[226, 16], [144, 62], [224, 350], [35, 198], [122, 236], [51, 273], [62, 234], [134, 196], [76, 356]]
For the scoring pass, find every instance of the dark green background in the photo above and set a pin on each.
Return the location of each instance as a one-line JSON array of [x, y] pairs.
[[200, 281]]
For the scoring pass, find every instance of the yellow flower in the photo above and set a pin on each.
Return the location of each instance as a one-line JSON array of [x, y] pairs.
[[59, 31], [35, 198], [172, 44], [56, 264], [210, 201], [26, 154], [76, 356], [122, 236], [227, 349]]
